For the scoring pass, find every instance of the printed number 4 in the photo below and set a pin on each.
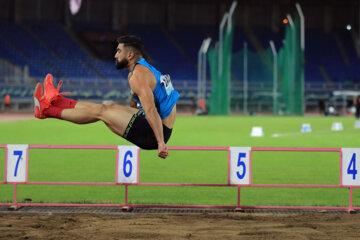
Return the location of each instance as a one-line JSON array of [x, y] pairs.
[[127, 162], [241, 163], [17, 153], [352, 166]]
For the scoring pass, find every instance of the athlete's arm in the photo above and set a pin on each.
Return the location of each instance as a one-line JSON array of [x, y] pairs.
[[133, 104], [141, 87]]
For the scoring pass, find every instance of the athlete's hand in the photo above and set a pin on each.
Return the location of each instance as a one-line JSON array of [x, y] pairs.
[[162, 150]]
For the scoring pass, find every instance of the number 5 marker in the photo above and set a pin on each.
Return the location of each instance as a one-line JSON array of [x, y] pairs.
[[240, 165]]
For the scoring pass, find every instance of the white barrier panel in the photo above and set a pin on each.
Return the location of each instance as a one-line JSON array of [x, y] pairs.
[[257, 132], [306, 127], [127, 164], [16, 163], [240, 165], [350, 165], [337, 126]]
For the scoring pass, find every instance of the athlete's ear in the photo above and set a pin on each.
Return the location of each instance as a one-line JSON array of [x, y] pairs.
[[131, 55]]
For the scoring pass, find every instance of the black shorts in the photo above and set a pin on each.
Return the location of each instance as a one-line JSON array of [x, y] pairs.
[[140, 133]]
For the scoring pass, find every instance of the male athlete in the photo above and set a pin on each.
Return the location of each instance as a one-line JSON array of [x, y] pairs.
[[149, 126]]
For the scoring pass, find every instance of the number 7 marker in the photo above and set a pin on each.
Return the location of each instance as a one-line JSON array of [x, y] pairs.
[[17, 153], [16, 163]]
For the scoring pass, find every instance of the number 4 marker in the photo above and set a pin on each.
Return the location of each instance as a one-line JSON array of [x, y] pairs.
[[352, 165], [350, 158]]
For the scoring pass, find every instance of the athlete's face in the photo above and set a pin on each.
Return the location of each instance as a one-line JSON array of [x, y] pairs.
[[120, 57]]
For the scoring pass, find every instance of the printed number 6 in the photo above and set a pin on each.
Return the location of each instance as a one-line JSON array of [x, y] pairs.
[[241, 163], [17, 153], [127, 162]]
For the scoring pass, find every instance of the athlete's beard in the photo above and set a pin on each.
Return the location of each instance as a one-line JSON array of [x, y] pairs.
[[121, 64]]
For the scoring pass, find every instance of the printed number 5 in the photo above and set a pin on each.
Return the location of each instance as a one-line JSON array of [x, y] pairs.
[[127, 162], [17, 153], [241, 163]]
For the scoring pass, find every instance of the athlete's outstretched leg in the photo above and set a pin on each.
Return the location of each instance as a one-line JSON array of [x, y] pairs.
[[116, 117]]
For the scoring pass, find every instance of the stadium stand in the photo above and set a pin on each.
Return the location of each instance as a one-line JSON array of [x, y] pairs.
[[165, 53], [49, 47]]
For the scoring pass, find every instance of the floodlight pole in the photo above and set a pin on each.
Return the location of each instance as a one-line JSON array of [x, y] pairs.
[[199, 67], [221, 30], [275, 77], [359, 23], [205, 50], [245, 87], [231, 12], [291, 88], [302, 26], [201, 93], [227, 17], [229, 26], [302, 34]]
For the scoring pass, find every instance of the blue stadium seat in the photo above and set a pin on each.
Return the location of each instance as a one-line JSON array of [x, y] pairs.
[[48, 47]]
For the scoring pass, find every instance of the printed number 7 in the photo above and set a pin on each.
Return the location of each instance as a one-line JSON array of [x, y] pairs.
[[17, 153], [241, 163]]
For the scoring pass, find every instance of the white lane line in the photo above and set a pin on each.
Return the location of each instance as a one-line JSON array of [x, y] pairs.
[[306, 133]]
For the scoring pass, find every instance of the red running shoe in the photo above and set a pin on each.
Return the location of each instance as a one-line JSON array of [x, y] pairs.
[[51, 94], [39, 102]]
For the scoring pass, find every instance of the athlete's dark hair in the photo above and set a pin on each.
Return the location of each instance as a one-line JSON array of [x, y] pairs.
[[134, 42]]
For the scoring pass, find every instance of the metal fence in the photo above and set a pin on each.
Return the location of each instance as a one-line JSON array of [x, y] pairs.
[[239, 174]]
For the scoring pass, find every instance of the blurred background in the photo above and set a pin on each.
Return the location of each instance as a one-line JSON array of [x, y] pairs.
[[280, 57]]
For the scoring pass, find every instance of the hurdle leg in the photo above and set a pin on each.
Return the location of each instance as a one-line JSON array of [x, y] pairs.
[[238, 208], [350, 209], [126, 208], [15, 206]]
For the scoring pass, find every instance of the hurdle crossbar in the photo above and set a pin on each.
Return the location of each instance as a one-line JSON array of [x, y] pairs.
[[127, 185]]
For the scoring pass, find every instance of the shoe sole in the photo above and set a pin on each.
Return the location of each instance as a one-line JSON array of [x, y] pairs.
[[37, 102], [48, 76], [48, 81]]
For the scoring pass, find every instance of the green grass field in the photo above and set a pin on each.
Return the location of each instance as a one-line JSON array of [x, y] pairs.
[[185, 166]]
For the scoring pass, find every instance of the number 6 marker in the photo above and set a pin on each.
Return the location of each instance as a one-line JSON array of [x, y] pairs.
[[127, 164], [240, 165], [17, 162]]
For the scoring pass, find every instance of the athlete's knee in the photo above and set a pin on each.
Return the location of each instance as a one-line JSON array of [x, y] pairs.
[[109, 104], [99, 110]]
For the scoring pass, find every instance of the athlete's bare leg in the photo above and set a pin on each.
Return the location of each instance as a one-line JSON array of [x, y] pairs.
[[116, 117]]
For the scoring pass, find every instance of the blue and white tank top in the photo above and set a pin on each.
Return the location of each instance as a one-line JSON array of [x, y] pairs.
[[165, 96]]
